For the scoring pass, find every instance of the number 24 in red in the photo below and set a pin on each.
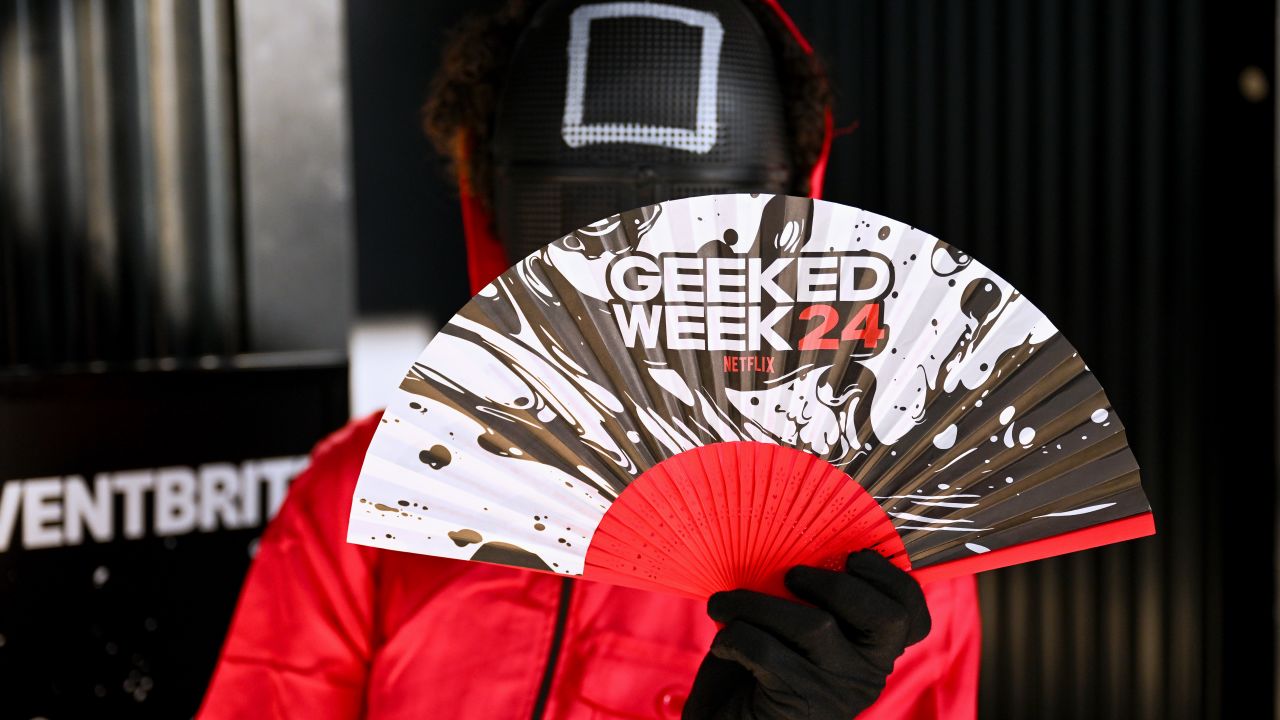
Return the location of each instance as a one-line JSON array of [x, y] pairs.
[[864, 326]]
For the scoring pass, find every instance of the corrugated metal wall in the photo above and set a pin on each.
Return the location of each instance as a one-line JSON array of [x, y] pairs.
[[175, 229], [1072, 145], [1082, 148], [174, 181], [118, 198]]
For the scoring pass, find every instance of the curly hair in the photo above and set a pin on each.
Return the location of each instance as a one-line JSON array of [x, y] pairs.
[[464, 92]]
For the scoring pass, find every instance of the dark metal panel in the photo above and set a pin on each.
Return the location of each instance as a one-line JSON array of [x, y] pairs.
[[221, 325], [1189, 678], [67, 194], [295, 171], [1117, 180], [925, 178], [1048, 242], [102, 281], [988, 130], [1239, 214], [168, 74], [8, 255], [1152, 233], [1017, 139], [135, 177], [1072, 600], [897, 107], [992, 607], [22, 61], [119, 226], [1078, 147], [955, 101]]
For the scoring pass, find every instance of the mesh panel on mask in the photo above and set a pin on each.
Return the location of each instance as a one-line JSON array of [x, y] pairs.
[[684, 191], [637, 73]]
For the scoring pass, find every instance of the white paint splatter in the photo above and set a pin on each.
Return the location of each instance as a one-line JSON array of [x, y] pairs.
[[1078, 511], [920, 518], [915, 496], [932, 529], [947, 438], [953, 462]]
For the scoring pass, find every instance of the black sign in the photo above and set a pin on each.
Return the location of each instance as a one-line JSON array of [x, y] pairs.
[[130, 506]]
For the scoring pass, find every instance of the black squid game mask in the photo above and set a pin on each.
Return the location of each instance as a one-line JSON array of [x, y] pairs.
[[613, 105]]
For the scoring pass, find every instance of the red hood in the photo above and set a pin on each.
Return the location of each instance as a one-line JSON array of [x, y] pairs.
[[486, 259]]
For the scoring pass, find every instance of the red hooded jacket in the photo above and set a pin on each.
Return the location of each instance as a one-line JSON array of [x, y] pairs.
[[328, 630]]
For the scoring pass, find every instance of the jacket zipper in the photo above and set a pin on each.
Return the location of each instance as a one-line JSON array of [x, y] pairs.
[[553, 656]]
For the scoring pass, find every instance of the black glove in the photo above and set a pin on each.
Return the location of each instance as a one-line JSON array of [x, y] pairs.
[[777, 658]]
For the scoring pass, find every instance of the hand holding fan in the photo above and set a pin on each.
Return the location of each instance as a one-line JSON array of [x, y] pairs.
[[698, 395]]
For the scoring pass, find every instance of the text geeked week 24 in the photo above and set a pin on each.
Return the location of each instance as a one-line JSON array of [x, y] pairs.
[[718, 303]]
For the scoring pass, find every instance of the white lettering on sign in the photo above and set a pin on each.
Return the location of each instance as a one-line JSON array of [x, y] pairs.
[[54, 512]]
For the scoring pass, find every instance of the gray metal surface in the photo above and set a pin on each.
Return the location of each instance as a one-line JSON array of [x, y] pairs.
[[173, 180], [295, 169]]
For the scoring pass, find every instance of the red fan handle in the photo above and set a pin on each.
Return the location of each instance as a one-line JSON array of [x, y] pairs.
[[736, 515]]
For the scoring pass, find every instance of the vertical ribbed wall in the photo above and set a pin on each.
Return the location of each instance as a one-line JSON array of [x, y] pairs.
[[118, 198], [1063, 143], [1080, 148]]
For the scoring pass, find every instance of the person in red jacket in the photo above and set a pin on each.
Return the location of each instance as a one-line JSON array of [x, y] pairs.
[[327, 629]]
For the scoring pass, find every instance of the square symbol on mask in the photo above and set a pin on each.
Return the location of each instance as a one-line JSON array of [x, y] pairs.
[[643, 73]]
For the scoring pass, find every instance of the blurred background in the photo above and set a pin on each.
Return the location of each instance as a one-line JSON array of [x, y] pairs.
[[222, 234]]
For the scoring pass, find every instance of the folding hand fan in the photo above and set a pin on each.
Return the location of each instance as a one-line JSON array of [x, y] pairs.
[[700, 394]]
